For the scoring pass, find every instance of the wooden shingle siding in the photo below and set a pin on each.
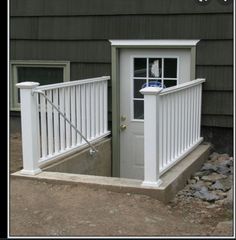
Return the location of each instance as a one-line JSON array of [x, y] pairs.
[[209, 53], [111, 7], [217, 121], [219, 52], [118, 27], [217, 103], [75, 51], [79, 30], [219, 78], [86, 70]]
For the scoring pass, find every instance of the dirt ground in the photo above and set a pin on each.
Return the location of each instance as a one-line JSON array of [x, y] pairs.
[[39, 208]]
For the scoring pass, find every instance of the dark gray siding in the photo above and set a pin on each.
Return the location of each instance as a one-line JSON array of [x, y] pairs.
[[78, 31]]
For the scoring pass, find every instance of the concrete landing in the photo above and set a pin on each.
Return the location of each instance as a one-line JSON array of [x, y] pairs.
[[172, 181]]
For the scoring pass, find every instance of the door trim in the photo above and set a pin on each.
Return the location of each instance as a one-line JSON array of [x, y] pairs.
[[116, 46]]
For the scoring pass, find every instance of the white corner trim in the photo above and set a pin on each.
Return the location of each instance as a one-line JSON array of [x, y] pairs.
[[163, 42]]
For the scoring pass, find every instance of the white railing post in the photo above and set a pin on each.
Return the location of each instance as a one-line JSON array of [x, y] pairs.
[[151, 136], [29, 128]]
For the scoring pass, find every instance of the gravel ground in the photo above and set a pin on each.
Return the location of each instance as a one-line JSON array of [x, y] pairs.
[[39, 208]]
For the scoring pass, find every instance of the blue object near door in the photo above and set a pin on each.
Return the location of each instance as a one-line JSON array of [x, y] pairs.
[[153, 84]]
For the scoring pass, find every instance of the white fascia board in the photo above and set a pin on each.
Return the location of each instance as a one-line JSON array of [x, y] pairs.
[[163, 42]]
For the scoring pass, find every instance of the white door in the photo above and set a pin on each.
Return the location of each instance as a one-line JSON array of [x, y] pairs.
[[137, 68]]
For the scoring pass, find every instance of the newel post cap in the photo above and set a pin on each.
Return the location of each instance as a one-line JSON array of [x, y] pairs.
[[28, 85], [150, 90]]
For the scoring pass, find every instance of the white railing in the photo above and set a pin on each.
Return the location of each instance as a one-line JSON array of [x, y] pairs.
[[176, 112], [47, 134]]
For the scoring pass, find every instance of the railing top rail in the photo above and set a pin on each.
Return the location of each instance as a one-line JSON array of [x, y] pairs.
[[182, 86], [72, 83]]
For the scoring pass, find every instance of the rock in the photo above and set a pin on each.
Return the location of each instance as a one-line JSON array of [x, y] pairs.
[[209, 167], [202, 173], [205, 195], [221, 184], [214, 156], [191, 181], [223, 169], [197, 186], [224, 229], [213, 177], [228, 201], [201, 191], [223, 157]]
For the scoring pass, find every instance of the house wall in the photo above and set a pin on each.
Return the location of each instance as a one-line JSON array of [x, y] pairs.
[[78, 31]]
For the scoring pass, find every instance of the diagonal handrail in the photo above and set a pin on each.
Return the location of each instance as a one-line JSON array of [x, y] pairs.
[[93, 150]]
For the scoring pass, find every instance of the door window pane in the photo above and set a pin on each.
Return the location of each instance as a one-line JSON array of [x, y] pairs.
[[138, 86], [170, 68], [140, 67], [155, 67], [138, 109]]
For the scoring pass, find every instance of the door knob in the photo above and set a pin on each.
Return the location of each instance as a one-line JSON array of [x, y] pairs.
[[123, 118], [123, 127]]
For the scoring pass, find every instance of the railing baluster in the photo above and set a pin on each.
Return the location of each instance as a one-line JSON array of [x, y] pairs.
[[191, 116], [160, 115], [43, 126], [185, 119], [92, 111], [56, 121], [169, 129], [105, 121], [101, 108], [194, 114], [78, 113], [67, 111], [199, 112], [73, 112], [164, 131], [172, 119], [62, 120], [83, 111], [97, 117], [176, 125], [49, 123], [88, 110]]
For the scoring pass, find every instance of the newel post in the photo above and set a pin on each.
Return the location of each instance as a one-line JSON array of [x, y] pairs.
[[151, 135], [29, 128]]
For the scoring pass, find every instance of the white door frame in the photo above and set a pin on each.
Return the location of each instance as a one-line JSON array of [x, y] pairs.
[[116, 45]]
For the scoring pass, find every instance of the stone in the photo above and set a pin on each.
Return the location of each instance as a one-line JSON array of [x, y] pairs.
[[205, 195], [223, 157], [214, 156], [209, 167], [191, 181], [228, 201], [202, 173], [221, 184], [223, 169], [201, 191], [213, 177], [197, 186]]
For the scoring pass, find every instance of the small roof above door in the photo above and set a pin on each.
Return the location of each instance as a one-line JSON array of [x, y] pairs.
[[155, 43]]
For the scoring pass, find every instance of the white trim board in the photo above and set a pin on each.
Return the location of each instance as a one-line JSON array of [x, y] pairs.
[[163, 42]]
